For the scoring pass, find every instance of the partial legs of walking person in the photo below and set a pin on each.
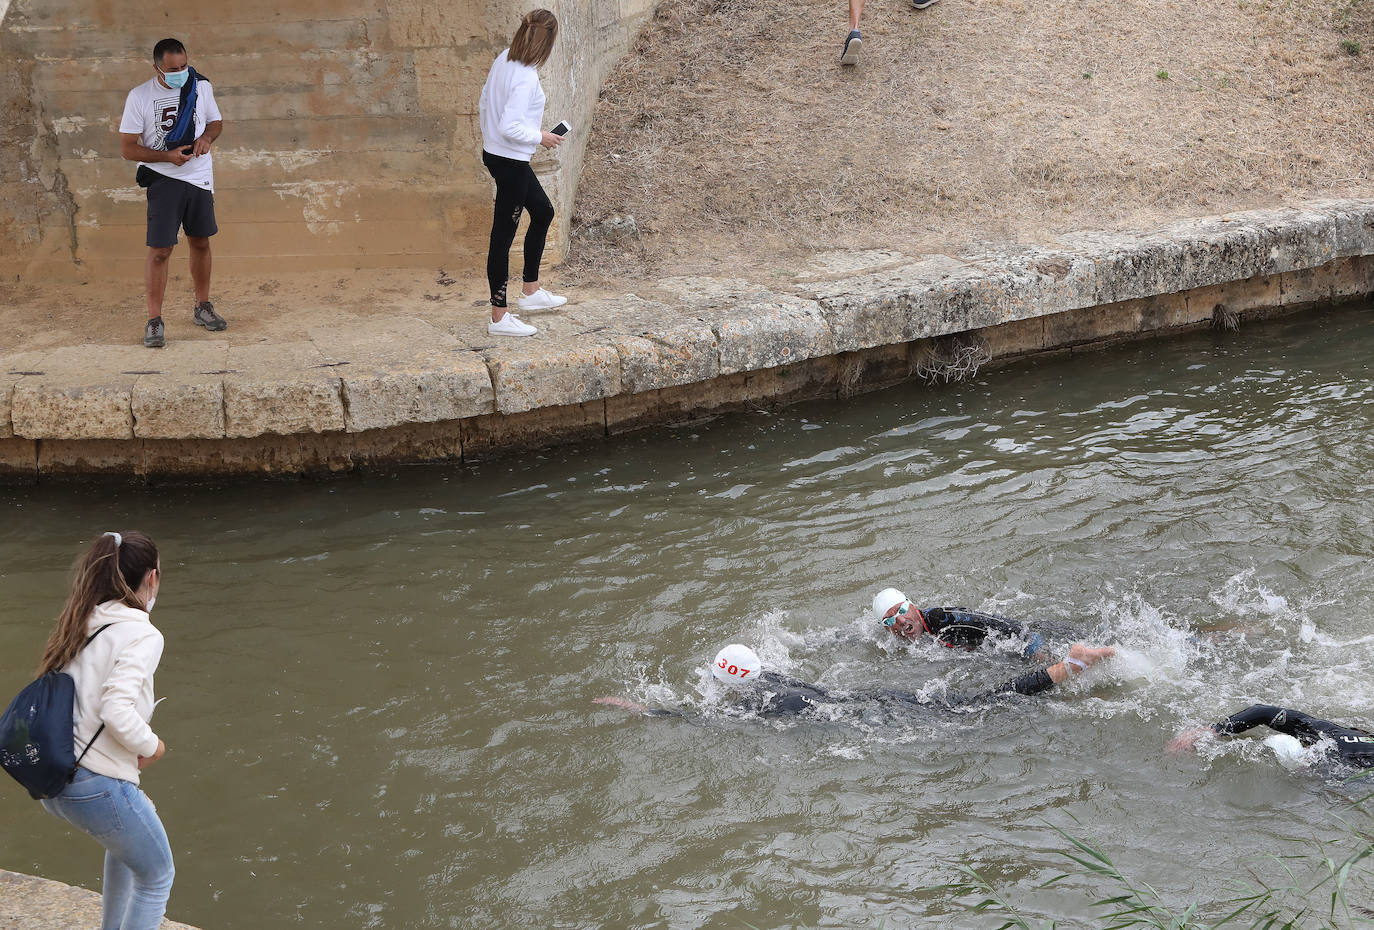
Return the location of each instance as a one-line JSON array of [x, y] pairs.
[[517, 190]]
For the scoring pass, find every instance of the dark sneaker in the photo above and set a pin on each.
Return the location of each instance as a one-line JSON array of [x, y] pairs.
[[206, 316], [154, 334], [922, 4], [852, 46]]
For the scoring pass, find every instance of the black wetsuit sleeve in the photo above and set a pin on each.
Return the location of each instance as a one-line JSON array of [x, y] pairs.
[[958, 627], [1350, 745], [1306, 728], [1030, 683]]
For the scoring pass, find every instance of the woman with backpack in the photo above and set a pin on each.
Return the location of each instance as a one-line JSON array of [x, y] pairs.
[[105, 641]]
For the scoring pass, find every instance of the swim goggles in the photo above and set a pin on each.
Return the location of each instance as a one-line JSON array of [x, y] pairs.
[[902, 611]]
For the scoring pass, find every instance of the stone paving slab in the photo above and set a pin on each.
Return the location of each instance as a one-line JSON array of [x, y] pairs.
[[182, 396], [616, 363], [31, 903], [396, 371], [659, 345], [564, 364], [283, 389], [75, 392]]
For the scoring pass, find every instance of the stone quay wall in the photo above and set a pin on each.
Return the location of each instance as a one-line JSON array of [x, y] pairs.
[[405, 390], [31, 903], [351, 132]]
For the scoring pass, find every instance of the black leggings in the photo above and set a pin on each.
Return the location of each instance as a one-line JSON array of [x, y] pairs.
[[516, 189]]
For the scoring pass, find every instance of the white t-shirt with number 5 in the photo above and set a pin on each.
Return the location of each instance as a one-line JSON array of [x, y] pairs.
[[151, 111]]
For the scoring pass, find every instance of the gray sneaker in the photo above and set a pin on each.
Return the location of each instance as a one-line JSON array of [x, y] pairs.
[[849, 55], [206, 316], [154, 334]]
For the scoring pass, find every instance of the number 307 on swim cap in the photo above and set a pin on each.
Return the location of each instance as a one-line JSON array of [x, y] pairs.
[[736, 663]]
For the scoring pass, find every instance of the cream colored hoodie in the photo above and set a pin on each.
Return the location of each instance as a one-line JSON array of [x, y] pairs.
[[114, 686]]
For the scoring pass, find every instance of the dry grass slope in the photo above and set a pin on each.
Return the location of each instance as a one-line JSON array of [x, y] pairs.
[[740, 145]]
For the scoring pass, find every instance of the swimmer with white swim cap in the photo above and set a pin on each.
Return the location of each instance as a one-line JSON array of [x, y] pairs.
[[1346, 745], [773, 695], [735, 663], [954, 626]]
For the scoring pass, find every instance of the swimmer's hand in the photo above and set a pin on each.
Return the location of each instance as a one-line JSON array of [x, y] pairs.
[[1186, 740], [633, 707], [1077, 661], [1090, 655]]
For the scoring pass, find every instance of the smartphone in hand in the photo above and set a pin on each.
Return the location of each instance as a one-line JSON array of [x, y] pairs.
[[562, 129]]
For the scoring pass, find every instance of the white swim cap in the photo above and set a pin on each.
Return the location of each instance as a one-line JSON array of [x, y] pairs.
[[885, 600], [1289, 751], [736, 663]]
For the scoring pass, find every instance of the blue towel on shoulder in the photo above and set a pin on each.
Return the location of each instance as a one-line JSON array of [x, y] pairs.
[[183, 131]]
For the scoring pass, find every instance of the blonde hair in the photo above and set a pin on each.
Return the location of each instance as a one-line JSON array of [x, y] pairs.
[[533, 42], [112, 569]]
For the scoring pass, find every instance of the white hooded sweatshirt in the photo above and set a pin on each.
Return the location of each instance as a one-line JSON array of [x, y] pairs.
[[511, 109], [114, 686]]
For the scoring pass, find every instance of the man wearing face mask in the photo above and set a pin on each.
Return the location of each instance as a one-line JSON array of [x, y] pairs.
[[169, 123]]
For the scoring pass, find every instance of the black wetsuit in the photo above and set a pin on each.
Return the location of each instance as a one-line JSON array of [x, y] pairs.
[[775, 695], [1352, 746], [966, 629]]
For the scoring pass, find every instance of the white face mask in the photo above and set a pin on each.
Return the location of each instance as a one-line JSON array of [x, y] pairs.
[[151, 601]]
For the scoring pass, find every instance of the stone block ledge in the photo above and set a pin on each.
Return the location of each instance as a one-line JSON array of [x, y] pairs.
[[31, 903], [398, 390]]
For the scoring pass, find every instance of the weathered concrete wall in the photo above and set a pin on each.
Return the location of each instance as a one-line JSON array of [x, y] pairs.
[[30, 903], [439, 388], [351, 135]]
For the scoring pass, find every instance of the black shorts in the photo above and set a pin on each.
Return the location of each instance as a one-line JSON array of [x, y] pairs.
[[173, 204]]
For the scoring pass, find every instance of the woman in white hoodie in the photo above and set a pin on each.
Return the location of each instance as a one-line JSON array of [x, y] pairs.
[[106, 642], [512, 111]]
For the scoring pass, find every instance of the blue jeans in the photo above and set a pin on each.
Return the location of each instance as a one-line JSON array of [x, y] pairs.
[[138, 858]]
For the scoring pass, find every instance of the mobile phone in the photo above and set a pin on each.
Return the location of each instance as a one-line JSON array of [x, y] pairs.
[[562, 129]]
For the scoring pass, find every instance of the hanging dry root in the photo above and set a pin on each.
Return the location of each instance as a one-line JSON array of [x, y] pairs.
[[949, 358], [1225, 319]]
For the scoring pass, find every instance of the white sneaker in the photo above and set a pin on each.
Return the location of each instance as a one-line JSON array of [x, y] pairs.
[[540, 300], [510, 325]]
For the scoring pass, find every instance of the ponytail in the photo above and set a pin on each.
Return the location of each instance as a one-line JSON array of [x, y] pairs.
[[112, 569]]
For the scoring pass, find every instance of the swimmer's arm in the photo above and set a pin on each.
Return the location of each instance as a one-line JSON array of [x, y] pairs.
[[1252, 716], [1043, 679]]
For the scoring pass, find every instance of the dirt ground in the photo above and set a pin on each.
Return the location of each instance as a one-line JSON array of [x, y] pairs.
[[259, 307], [738, 143], [276, 308]]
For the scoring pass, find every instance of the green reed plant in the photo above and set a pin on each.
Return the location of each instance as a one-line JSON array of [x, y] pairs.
[[1315, 896]]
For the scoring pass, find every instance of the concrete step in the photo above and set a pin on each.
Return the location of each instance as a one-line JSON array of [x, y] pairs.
[[240, 168], [59, 267], [374, 72], [207, 45], [244, 238], [32, 15], [306, 201], [301, 107]]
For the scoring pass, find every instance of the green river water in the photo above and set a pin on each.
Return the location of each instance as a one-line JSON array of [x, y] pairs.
[[379, 688]]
